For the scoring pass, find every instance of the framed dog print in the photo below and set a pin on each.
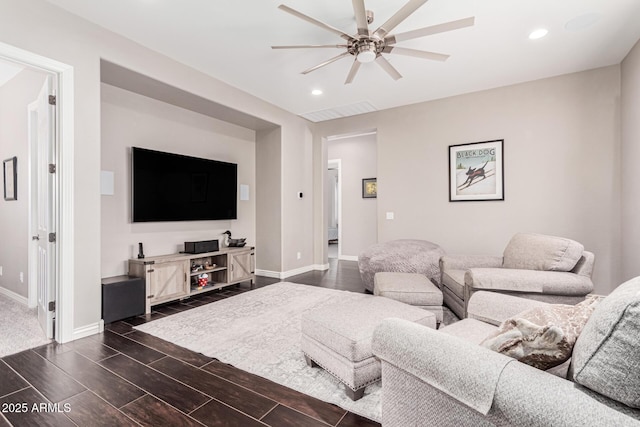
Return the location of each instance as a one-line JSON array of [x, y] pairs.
[[476, 171]]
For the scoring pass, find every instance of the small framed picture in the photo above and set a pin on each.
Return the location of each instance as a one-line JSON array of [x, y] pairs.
[[9, 169], [476, 171], [369, 188]]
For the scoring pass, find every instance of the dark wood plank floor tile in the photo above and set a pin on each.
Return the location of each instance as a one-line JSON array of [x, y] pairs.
[[233, 395], [131, 348], [92, 349], [41, 416], [10, 381], [354, 420], [4, 422], [149, 411], [180, 307], [135, 321], [153, 382], [196, 302], [171, 349], [166, 309], [102, 382], [52, 348], [48, 379], [311, 406], [216, 414], [87, 409], [282, 416], [119, 327]]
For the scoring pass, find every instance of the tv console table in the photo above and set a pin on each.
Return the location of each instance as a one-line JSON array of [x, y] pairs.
[[173, 277]]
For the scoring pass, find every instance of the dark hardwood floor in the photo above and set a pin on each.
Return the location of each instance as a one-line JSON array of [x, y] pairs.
[[124, 377]]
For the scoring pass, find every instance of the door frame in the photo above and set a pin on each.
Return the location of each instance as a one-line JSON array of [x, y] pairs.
[[63, 88], [32, 297], [337, 164]]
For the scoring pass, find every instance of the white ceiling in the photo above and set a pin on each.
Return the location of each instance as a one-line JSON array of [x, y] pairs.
[[231, 42]]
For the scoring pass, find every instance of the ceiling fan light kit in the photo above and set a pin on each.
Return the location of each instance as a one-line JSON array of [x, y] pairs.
[[367, 46]]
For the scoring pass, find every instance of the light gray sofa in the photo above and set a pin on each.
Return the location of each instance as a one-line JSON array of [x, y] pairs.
[[443, 378], [534, 266]]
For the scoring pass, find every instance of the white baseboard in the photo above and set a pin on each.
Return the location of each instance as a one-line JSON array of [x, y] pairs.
[[85, 331], [348, 257], [14, 296], [295, 272], [267, 273]]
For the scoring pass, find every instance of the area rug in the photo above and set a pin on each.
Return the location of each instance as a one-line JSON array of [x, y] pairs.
[[19, 327], [259, 332]]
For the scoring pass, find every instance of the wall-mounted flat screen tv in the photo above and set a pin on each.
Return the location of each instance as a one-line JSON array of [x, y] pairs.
[[173, 187]]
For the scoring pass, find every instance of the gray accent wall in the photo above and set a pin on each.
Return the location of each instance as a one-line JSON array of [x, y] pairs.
[[132, 120], [630, 101], [562, 162], [15, 96]]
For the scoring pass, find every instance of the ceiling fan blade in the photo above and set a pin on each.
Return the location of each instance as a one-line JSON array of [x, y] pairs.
[[311, 46], [361, 17], [417, 53], [399, 16], [352, 73], [386, 65], [434, 29], [327, 62], [315, 22]]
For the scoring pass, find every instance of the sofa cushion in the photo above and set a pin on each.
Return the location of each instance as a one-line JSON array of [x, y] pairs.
[[606, 357], [538, 252], [542, 337]]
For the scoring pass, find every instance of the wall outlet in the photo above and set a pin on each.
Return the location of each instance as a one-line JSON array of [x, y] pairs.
[[390, 215], [0, 270], [21, 277], [299, 255]]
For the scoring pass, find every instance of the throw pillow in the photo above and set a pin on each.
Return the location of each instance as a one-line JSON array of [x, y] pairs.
[[606, 357], [528, 251], [542, 337]]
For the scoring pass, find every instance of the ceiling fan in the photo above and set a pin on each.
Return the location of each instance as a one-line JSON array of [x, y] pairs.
[[368, 46]]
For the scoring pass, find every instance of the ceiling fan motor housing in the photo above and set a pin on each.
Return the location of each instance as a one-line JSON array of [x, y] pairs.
[[367, 50]]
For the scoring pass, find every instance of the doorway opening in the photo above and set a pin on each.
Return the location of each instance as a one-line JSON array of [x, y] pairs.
[[334, 209], [44, 124]]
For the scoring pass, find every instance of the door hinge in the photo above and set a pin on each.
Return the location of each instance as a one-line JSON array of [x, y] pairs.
[[52, 306], [52, 168], [52, 237], [52, 100]]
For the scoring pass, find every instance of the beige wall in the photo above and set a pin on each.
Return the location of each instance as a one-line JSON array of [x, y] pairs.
[[39, 27], [359, 160], [132, 120], [268, 204], [15, 96], [630, 107], [562, 155]]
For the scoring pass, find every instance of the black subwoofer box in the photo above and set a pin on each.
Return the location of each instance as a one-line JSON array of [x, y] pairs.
[[122, 297], [201, 246]]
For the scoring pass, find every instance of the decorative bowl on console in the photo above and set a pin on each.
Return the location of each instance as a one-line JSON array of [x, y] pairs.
[[237, 243]]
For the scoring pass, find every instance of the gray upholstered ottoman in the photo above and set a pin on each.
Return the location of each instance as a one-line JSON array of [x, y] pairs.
[[338, 338], [404, 256], [410, 288]]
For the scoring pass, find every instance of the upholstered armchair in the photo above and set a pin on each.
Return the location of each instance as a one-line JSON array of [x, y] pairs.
[[534, 266]]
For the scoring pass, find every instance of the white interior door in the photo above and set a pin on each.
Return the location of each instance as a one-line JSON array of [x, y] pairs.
[[44, 209]]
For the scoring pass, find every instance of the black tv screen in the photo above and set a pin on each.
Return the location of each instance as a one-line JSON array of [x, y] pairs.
[[173, 187]]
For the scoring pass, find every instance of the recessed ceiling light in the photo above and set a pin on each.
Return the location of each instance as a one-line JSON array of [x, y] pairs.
[[538, 34], [316, 92]]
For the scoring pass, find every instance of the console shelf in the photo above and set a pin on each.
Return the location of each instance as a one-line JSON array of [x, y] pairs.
[[173, 277]]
